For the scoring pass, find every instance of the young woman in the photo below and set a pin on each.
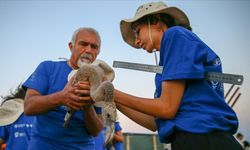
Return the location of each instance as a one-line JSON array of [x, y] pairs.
[[187, 111]]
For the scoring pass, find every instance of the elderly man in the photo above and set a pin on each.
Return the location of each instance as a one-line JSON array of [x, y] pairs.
[[49, 93]]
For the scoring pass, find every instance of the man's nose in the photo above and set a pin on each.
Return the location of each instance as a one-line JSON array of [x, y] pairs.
[[88, 49]]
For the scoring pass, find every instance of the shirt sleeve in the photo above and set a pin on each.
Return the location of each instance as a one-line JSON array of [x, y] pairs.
[[3, 133], [117, 127], [98, 110], [39, 79]]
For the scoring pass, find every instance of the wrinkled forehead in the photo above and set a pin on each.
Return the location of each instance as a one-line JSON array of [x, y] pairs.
[[88, 36]]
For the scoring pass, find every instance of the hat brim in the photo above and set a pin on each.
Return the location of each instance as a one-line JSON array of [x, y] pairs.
[[125, 25], [10, 111]]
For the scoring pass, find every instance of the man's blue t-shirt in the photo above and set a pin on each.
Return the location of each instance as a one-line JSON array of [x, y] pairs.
[[17, 134], [48, 132], [203, 108], [99, 141]]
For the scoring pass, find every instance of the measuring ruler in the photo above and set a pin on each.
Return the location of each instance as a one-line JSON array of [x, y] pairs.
[[210, 76]]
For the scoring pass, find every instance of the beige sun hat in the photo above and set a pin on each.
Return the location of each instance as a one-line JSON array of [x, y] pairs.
[[150, 8], [10, 111]]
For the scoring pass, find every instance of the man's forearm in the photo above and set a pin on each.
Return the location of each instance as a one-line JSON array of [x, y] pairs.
[[36, 104], [93, 122]]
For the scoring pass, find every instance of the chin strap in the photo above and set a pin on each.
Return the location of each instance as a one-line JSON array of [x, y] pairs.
[[156, 60], [150, 38], [149, 32]]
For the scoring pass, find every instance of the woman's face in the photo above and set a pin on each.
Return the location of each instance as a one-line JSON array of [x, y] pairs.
[[143, 35]]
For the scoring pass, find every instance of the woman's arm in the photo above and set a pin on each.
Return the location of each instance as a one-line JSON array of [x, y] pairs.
[[166, 106], [138, 117]]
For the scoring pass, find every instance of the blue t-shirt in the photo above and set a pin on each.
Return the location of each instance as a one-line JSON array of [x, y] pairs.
[[48, 132], [100, 139], [17, 134], [118, 145], [203, 108]]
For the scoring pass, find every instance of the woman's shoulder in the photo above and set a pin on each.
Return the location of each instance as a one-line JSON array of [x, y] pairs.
[[178, 30]]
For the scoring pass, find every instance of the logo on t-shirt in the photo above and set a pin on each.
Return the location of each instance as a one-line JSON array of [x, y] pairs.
[[217, 62], [19, 134], [217, 86]]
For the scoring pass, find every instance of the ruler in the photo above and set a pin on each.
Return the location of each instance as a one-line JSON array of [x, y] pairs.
[[210, 76]]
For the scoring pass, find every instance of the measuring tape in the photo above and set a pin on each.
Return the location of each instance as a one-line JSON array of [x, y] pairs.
[[210, 76]]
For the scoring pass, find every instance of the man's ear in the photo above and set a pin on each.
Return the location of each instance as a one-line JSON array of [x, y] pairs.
[[70, 46]]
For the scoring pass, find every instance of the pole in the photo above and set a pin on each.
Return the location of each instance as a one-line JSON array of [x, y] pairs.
[[154, 142], [127, 142], [236, 99], [233, 95], [230, 89]]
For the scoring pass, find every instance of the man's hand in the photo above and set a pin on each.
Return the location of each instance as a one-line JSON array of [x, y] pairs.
[[78, 95]]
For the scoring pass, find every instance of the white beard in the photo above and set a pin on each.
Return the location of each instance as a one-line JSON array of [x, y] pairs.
[[84, 59], [80, 63]]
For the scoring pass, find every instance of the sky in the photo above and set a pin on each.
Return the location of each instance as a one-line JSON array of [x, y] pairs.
[[32, 31]]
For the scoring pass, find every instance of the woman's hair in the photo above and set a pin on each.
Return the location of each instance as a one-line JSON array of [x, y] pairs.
[[18, 93], [158, 18]]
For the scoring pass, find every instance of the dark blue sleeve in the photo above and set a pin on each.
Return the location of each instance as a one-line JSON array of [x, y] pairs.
[[3, 133], [182, 55], [117, 127], [98, 110], [39, 79]]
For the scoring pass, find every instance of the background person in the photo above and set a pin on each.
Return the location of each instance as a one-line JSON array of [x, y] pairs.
[[117, 140], [240, 138], [246, 145], [15, 127], [99, 141], [188, 111], [49, 93], [3, 146]]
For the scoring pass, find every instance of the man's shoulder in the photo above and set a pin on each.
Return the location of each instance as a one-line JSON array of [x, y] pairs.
[[51, 62], [50, 65]]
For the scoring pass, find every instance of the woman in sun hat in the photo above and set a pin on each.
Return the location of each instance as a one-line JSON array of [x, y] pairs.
[[187, 111], [15, 127]]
